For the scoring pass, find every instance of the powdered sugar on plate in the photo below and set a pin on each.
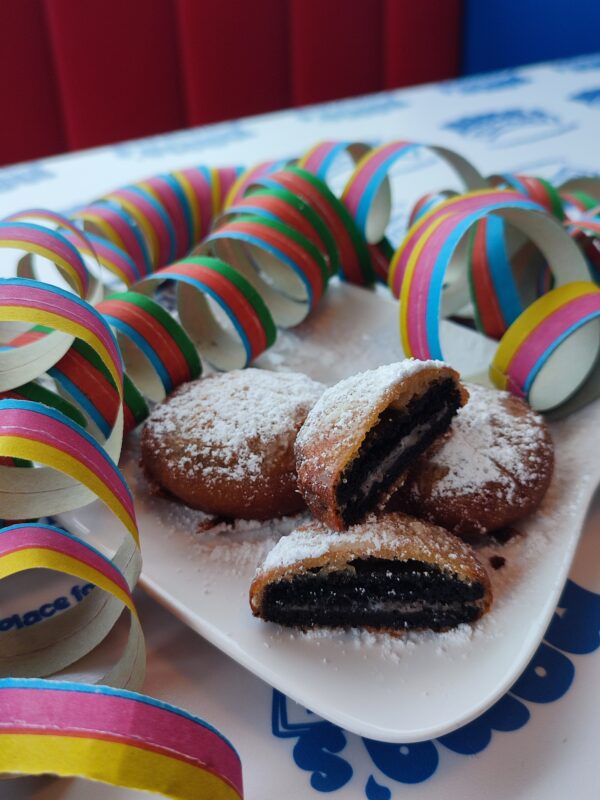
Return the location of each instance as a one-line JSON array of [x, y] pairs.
[[232, 546]]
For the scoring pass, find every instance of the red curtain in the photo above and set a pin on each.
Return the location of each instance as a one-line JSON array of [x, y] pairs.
[[77, 74], [32, 121]]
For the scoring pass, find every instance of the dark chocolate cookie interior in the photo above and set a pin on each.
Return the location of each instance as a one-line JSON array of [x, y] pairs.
[[375, 593], [392, 445]]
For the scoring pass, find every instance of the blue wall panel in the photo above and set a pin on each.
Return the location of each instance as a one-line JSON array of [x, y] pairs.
[[506, 33]]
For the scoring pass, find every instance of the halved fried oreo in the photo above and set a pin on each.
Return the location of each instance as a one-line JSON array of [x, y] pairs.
[[392, 574], [366, 431]]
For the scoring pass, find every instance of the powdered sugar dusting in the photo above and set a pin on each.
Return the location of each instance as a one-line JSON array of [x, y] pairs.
[[230, 425], [403, 535], [339, 405], [489, 444], [339, 421]]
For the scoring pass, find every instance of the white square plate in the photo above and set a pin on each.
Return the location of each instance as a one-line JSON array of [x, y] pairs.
[[397, 690]]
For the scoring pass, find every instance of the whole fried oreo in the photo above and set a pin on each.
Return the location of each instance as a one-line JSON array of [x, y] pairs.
[[392, 574], [492, 469], [224, 444], [366, 431]]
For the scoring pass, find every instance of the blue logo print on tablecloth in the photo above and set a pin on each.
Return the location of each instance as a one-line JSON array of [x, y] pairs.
[[365, 107], [510, 127], [554, 169], [589, 63], [575, 628], [187, 141], [23, 175], [494, 82], [591, 97]]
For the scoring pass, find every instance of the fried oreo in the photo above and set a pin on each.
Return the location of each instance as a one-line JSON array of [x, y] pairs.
[[365, 432], [391, 574]]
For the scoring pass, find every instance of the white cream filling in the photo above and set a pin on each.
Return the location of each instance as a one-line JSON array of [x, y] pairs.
[[410, 440]]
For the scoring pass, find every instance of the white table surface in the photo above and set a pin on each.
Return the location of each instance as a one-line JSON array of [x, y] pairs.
[[542, 120]]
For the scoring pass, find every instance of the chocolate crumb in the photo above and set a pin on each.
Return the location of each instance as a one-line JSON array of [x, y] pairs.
[[497, 562], [504, 535], [208, 523]]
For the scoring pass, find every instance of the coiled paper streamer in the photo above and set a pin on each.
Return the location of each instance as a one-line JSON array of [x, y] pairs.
[[428, 250], [57, 249], [367, 193], [248, 177], [151, 341], [267, 260], [81, 375], [119, 228], [295, 273], [289, 209], [114, 736], [252, 328], [63, 639], [38, 733], [525, 362], [353, 253]]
